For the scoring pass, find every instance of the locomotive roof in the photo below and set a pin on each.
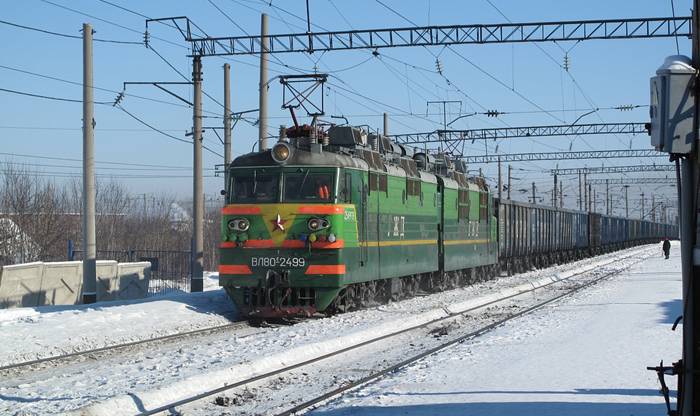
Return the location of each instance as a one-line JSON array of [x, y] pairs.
[[363, 158]]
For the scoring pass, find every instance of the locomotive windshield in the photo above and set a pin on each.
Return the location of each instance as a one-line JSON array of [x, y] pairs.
[[305, 187], [263, 186], [255, 186]]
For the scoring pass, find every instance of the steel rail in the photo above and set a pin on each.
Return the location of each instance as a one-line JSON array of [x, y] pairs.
[[63, 357], [374, 376], [208, 393]]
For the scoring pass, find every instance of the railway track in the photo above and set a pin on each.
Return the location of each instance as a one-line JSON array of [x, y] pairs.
[[309, 404], [376, 374], [58, 360]]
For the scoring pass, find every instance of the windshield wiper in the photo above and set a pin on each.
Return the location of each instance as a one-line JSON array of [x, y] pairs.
[[255, 181], [303, 181]]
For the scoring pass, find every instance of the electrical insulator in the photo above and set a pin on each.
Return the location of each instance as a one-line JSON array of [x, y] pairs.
[[493, 113], [146, 38], [567, 63], [626, 107], [438, 66], [119, 98]]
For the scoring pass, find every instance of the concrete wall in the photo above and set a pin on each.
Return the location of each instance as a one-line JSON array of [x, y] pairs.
[[60, 283]]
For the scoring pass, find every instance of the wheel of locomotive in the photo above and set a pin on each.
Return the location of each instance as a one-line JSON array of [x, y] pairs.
[[435, 282], [369, 293], [384, 290], [341, 303], [450, 280], [363, 295], [463, 278], [414, 281]]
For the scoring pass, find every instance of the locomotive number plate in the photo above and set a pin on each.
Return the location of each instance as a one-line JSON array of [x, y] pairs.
[[277, 262]]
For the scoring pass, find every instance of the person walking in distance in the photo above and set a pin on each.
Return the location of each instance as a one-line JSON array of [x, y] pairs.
[[666, 247]]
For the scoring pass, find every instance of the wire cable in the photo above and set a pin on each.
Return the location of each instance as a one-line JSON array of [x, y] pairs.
[[109, 22], [64, 35], [164, 133], [111, 162], [23, 71], [47, 97]]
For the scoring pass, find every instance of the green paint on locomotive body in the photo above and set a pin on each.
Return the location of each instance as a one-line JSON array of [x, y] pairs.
[[384, 225]]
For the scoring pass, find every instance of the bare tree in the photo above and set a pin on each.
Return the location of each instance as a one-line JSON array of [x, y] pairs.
[[38, 216]]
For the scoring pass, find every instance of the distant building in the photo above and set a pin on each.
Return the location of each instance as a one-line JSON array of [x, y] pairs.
[[180, 219], [15, 245]]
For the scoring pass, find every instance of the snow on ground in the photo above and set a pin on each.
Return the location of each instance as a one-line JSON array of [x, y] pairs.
[[165, 367], [585, 355], [30, 333]]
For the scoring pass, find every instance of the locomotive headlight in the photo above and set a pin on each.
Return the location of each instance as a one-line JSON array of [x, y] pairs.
[[316, 224], [331, 238], [238, 224], [281, 152]]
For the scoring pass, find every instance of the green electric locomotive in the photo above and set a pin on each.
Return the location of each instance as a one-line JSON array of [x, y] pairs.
[[329, 221]]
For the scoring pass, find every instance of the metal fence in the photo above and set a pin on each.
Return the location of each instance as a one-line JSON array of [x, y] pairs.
[[170, 269]]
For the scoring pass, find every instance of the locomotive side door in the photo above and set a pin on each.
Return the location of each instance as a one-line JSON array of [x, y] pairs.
[[441, 224], [364, 213]]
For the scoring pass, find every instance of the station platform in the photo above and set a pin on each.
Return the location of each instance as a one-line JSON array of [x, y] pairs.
[[583, 355]]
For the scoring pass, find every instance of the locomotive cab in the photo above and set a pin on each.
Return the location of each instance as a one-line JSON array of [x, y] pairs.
[[283, 234]]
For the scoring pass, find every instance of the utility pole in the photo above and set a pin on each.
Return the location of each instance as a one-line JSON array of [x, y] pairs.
[[500, 181], [607, 196], [264, 47], [197, 280], [653, 208], [586, 193], [589, 196], [227, 119], [580, 193], [510, 180], [627, 205], [594, 201], [554, 192], [561, 194], [533, 193], [641, 215], [89, 243], [386, 124]]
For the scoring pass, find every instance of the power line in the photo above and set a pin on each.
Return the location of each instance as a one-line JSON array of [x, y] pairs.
[[110, 22], [105, 175], [50, 128], [342, 16], [120, 168], [374, 100], [94, 87], [80, 160], [127, 10], [47, 97], [585, 96], [164, 133], [228, 17], [64, 35]]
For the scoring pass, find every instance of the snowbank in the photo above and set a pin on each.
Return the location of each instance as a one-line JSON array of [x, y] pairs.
[[137, 401]]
